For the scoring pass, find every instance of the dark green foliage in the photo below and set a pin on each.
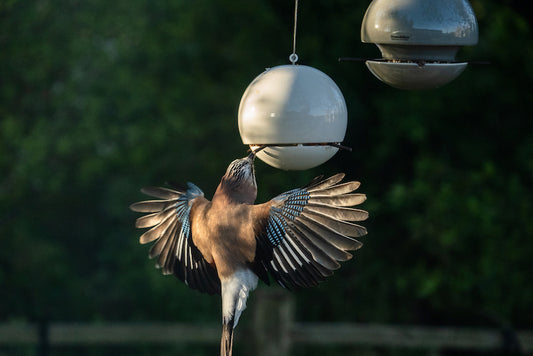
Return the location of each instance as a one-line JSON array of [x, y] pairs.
[[100, 98]]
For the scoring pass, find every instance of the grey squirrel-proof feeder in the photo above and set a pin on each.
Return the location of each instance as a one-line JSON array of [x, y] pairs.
[[296, 114], [418, 40]]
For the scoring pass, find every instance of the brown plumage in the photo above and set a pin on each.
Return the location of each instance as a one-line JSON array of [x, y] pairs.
[[225, 245]]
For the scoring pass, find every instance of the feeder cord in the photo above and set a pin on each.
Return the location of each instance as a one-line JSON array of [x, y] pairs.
[[294, 57]]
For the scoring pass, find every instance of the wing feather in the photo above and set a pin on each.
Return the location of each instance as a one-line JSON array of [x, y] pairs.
[[155, 232], [325, 183], [323, 244], [340, 200], [337, 189], [169, 220], [305, 274], [313, 269], [304, 233], [338, 213], [153, 219], [319, 255], [165, 260], [343, 227], [160, 243], [150, 206], [162, 193], [341, 241], [320, 270]]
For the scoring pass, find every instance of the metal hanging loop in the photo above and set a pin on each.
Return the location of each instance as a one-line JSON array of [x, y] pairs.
[[293, 58]]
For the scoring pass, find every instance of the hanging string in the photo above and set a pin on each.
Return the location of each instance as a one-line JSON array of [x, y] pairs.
[[294, 57]]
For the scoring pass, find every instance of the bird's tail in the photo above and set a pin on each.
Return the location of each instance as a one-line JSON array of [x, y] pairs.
[[226, 342], [235, 290]]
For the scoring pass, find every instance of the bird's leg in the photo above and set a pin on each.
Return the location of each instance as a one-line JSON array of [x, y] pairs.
[[235, 290], [226, 342]]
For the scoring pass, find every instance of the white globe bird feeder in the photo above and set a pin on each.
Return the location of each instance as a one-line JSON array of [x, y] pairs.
[[418, 40], [296, 114]]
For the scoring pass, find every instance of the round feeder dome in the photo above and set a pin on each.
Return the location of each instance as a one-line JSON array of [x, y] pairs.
[[418, 40], [297, 111]]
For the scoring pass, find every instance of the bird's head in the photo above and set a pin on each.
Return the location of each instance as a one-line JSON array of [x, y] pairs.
[[239, 181], [241, 171]]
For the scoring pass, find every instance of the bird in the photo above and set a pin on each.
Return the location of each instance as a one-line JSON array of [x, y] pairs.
[[226, 245]]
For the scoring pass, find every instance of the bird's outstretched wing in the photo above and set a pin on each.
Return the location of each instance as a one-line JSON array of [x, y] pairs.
[[170, 224], [303, 233]]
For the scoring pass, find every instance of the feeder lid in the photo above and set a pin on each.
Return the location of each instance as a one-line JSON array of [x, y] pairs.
[[292, 104], [420, 22]]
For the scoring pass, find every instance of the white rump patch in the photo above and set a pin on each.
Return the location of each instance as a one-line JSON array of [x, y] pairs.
[[235, 290]]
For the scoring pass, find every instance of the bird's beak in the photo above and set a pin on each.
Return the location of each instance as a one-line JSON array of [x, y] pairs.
[[251, 156], [253, 152]]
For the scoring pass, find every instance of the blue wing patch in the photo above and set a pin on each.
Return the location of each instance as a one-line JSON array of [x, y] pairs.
[[292, 204], [183, 208]]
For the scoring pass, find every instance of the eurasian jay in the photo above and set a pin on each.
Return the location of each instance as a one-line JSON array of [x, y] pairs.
[[225, 245]]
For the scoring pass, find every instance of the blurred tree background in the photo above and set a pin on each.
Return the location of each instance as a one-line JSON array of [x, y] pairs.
[[100, 98]]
